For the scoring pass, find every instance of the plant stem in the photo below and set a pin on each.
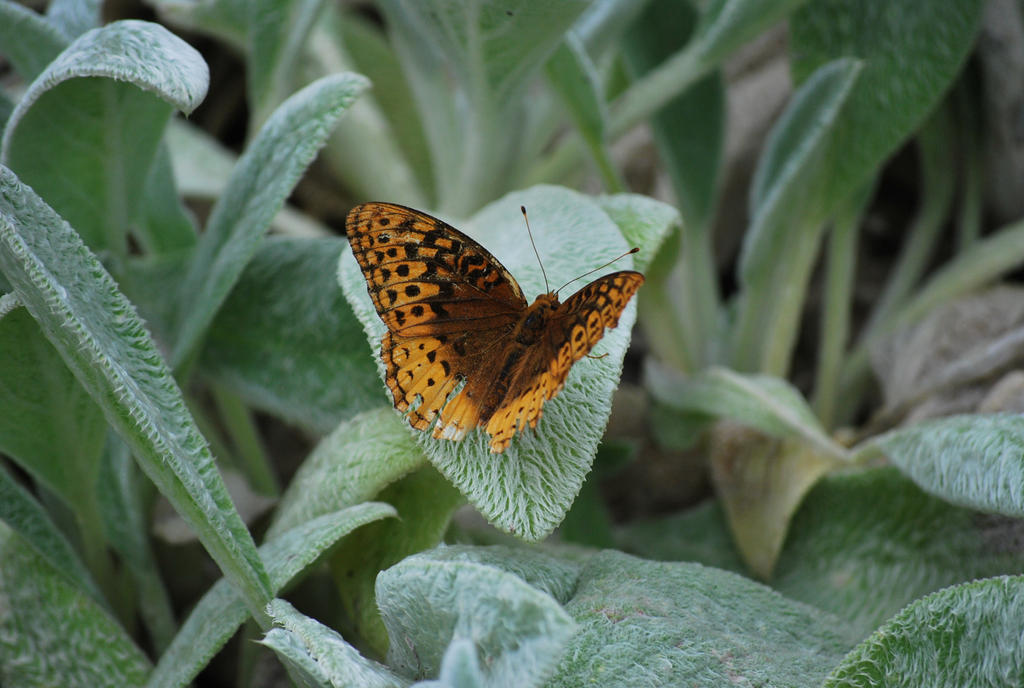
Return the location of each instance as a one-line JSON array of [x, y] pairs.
[[252, 460], [836, 307]]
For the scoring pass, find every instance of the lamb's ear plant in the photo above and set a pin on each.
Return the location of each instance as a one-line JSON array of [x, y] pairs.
[[133, 336]]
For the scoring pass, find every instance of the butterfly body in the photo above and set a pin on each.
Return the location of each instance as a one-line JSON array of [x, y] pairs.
[[455, 316]]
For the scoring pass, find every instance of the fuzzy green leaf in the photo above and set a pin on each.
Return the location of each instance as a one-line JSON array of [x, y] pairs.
[[519, 632], [278, 29], [286, 339], [527, 489], [788, 215], [27, 40], [467, 64], [975, 461], [425, 503], [490, 45], [24, 516], [99, 336], [93, 172], [50, 425], [52, 633], [349, 466], [644, 222], [644, 623], [725, 25], [831, 557], [689, 131], [74, 17], [367, 46], [259, 185], [460, 667], [911, 52], [123, 509], [575, 79], [967, 635], [221, 611], [767, 403], [225, 20], [318, 656]]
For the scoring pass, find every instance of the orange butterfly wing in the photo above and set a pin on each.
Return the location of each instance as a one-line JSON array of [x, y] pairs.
[[571, 333], [447, 302], [455, 314]]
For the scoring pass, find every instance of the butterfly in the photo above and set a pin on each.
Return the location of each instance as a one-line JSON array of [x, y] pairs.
[[454, 314]]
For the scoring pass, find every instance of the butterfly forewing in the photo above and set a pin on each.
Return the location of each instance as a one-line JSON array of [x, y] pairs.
[[426, 277]]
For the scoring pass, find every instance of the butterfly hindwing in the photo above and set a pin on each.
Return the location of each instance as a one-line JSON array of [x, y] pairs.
[[573, 331], [426, 277]]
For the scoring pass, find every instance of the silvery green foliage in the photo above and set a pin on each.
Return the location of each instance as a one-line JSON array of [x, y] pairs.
[[349, 466], [527, 489], [966, 635], [975, 460], [49, 624], [262, 179], [220, 612], [317, 657], [101, 339], [430, 601]]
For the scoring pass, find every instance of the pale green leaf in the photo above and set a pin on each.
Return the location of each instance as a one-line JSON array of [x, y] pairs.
[[259, 185], [301, 666], [225, 20], [832, 560], [576, 81], [967, 635], [460, 667], [86, 144], [220, 612], [24, 516], [349, 466], [74, 17], [725, 25], [973, 460], [644, 222], [788, 214], [27, 40], [527, 489], [367, 46], [278, 30], [644, 623], [519, 632], [911, 52], [766, 403], [320, 655], [689, 130], [52, 633], [126, 523], [164, 224], [99, 336], [468, 64], [864, 545], [286, 339], [425, 502], [50, 425], [491, 45]]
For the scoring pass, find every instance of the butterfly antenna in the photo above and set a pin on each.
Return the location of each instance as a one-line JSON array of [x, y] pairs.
[[600, 267], [546, 287]]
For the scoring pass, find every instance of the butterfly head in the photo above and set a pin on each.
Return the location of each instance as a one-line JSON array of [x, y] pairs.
[[535, 319]]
